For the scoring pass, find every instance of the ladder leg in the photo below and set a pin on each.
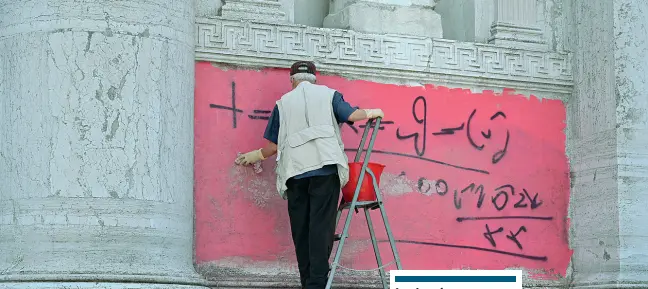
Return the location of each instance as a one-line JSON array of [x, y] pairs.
[[392, 242], [374, 242], [361, 146], [337, 222], [338, 251], [337, 218], [352, 207], [383, 214]]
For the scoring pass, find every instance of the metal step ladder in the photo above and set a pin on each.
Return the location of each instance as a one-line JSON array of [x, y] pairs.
[[354, 205]]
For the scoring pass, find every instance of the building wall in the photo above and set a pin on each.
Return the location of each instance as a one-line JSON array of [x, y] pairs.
[[451, 155], [96, 141], [592, 146], [242, 228]]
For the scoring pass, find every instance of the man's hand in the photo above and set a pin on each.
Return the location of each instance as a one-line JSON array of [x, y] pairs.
[[249, 158], [374, 113]]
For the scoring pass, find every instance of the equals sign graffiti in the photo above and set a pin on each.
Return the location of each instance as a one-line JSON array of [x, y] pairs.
[[263, 112], [450, 130], [381, 123]]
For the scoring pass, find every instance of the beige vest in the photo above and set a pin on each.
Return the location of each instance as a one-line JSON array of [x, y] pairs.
[[309, 136]]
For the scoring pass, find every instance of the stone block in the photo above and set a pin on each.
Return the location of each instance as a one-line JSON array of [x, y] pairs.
[[258, 10], [378, 18]]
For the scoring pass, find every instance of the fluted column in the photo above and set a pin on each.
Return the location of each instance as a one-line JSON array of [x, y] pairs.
[[257, 10], [516, 23], [96, 144], [404, 17]]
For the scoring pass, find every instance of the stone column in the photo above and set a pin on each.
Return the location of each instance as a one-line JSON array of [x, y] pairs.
[[257, 10], [96, 144], [466, 20], [405, 17], [516, 24], [608, 144]]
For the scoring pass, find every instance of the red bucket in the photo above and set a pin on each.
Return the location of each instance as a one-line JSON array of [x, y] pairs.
[[367, 192]]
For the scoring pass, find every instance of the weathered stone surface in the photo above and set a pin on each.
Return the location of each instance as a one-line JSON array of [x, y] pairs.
[[96, 150], [516, 24], [390, 17], [608, 144], [260, 10]]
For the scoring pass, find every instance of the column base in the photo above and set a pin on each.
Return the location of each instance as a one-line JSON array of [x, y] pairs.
[[609, 285], [88, 281], [609, 280], [93, 285], [369, 17], [259, 10]]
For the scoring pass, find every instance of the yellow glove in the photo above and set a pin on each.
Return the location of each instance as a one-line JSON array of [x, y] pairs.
[[374, 113], [249, 158]]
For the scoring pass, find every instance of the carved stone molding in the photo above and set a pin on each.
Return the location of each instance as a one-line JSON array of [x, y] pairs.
[[391, 57]]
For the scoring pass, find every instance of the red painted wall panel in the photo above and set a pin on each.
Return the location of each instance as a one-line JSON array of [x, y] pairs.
[[444, 150]]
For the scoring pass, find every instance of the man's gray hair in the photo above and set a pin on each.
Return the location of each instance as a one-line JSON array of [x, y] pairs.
[[303, 77]]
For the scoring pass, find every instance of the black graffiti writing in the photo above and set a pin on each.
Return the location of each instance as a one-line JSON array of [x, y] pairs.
[[480, 200], [421, 183], [429, 160], [420, 150], [441, 187], [263, 114], [534, 203], [489, 235], [487, 135], [451, 130], [513, 237], [476, 189], [521, 203], [502, 197], [424, 186], [499, 154], [500, 205], [457, 200], [500, 200], [232, 108], [470, 139], [420, 139], [462, 219], [498, 114], [465, 247]]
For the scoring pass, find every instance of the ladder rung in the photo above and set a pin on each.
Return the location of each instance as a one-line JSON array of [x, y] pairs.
[[363, 204]]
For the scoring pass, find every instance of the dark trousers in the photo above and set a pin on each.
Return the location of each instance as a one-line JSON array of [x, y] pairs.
[[312, 207]]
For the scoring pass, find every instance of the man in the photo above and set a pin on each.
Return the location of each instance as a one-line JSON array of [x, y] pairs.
[[304, 132]]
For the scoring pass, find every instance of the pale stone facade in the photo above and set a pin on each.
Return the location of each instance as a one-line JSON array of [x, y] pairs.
[[77, 158], [96, 184]]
